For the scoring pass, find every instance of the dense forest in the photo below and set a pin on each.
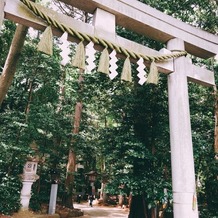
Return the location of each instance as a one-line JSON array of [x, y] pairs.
[[65, 118]]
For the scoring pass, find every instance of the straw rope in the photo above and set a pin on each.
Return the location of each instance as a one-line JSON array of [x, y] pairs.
[[106, 44]]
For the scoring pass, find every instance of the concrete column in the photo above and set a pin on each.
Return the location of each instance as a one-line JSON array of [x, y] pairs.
[[53, 199], [182, 161]]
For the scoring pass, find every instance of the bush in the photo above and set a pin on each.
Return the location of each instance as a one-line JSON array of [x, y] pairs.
[[35, 202], [9, 194]]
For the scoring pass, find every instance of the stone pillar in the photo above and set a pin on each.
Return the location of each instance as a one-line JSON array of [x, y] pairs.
[[182, 161], [2, 5], [53, 199], [105, 24], [29, 176]]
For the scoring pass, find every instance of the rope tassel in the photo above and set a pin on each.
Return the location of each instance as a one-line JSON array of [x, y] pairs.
[[81, 36], [127, 72], [103, 66], [79, 59], [46, 42], [153, 76]]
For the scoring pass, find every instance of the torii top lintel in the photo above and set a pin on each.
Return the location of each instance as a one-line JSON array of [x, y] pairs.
[[148, 21]]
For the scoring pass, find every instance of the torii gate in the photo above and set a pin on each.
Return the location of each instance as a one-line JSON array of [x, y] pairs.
[[178, 36]]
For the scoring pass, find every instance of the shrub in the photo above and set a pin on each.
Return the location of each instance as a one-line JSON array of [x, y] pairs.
[[9, 194]]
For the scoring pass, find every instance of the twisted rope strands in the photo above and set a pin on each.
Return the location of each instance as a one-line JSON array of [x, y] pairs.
[[105, 43], [56, 24]]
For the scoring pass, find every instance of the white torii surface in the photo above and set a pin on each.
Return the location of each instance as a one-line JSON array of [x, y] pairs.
[[150, 22], [182, 161], [178, 36], [18, 12], [2, 4]]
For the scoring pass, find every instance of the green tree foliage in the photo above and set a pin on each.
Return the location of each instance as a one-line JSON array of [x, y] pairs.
[[202, 14], [30, 114]]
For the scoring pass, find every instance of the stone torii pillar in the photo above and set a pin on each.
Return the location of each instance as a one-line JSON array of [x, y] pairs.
[[2, 5], [182, 161]]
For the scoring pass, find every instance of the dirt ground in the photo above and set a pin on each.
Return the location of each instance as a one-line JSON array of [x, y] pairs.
[[28, 214], [102, 211], [96, 211]]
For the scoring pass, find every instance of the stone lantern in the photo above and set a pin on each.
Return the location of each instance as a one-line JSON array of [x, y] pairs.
[[28, 177], [92, 177]]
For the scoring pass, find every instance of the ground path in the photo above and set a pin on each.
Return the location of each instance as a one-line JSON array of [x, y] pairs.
[[96, 211], [101, 211]]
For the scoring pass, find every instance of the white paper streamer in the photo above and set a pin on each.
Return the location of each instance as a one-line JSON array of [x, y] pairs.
[[90, 53], [64, 46], [142, 74], [113, 66]]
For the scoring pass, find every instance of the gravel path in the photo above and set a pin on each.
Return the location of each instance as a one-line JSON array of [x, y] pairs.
[[102, 211]]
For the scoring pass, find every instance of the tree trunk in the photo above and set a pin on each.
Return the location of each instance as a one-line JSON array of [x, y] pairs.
[[121, 200], [27, 110], [105, 197], [12, 60], [138, 207], [154, 213], [71, 165], [104, 180]]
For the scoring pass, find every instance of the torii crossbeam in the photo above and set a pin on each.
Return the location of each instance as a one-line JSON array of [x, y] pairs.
[[177, 35]]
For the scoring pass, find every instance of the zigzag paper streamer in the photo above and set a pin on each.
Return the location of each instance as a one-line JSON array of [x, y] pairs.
[[113, 66], [64, 46], [90, 53], [142, 74]]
